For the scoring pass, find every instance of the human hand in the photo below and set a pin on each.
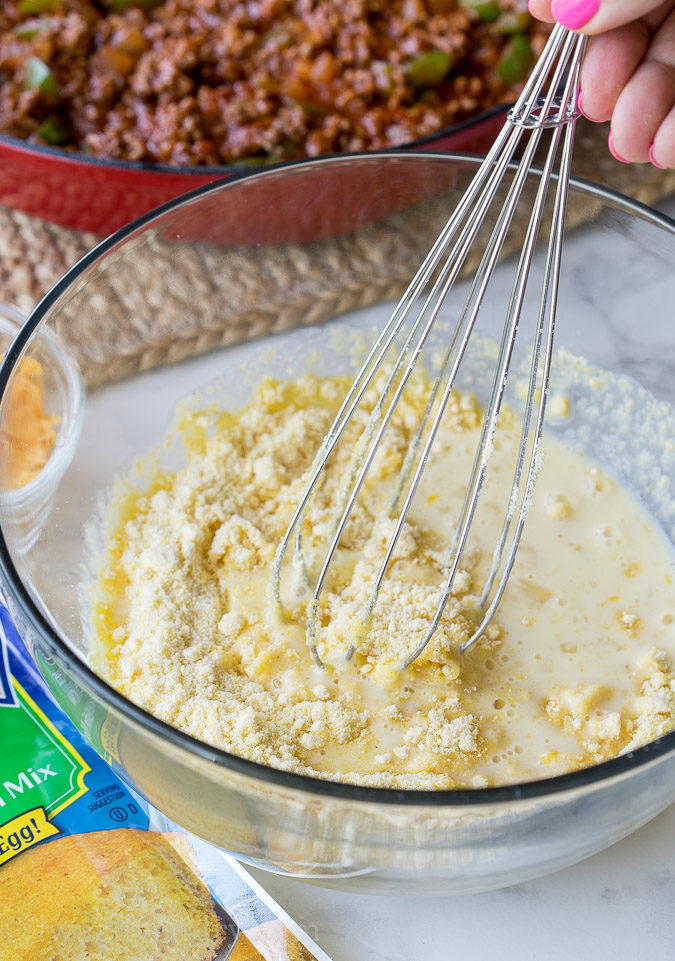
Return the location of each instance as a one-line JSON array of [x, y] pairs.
[[628, 75]]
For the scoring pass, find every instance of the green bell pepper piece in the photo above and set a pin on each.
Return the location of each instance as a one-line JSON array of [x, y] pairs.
[[511, 22], [54, 131], [31, 7], [38, 76], [429, 69], [487, 10], [516, 60]]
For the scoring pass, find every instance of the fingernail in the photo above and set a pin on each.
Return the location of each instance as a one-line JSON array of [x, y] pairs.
[[613, 152], [574, 14], [654, 160]]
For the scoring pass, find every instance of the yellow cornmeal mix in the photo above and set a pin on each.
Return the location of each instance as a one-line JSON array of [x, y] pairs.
[[576, 668]]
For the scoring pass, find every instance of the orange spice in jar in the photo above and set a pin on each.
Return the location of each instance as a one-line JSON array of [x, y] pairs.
[[28, 431]]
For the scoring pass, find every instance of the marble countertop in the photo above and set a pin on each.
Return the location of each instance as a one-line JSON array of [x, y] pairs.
[[616, 906]]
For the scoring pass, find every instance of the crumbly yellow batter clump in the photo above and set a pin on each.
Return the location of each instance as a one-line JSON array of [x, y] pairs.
[[186, 627]]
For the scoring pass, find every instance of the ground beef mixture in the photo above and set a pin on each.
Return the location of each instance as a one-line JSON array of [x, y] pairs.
[[217, 81]]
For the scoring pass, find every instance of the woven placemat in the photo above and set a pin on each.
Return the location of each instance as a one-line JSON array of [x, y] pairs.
[[273, 289]]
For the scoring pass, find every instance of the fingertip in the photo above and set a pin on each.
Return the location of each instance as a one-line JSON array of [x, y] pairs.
[[662, 151], [540, 10], [654, 161], [591, 112], [612, 149], [580, 106], [607, 69]]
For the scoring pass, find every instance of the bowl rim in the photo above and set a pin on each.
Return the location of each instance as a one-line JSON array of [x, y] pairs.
[[459, 798], [77, 157]]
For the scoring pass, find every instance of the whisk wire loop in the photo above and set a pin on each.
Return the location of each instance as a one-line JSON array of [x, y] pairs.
[[508, 139], [547, 103], [551, 275], [466, 324]]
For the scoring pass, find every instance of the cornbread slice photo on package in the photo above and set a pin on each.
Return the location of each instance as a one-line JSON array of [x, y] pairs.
[[119, 894], [89, 872], [266, 932]]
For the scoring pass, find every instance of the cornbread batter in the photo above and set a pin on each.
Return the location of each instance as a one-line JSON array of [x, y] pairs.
[[576, 668]]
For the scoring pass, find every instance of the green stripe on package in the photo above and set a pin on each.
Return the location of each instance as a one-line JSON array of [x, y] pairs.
[[51, 782]]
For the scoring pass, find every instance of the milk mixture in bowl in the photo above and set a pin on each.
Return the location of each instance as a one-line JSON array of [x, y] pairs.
[[576, 667]]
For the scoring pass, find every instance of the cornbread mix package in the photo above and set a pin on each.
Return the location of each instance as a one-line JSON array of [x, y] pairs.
[[89, 873]]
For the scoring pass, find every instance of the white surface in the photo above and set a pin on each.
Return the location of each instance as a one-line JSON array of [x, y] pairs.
[[616, 906]]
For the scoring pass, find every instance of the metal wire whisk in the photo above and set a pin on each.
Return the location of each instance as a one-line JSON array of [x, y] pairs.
[[548, 103]]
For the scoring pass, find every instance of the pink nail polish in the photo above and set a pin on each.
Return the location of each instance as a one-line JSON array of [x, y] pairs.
[[613, 152], [574, 14], [653, 159]]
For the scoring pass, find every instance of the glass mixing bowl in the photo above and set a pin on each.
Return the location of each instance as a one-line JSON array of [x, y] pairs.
[[63, 401], [287, 250]]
